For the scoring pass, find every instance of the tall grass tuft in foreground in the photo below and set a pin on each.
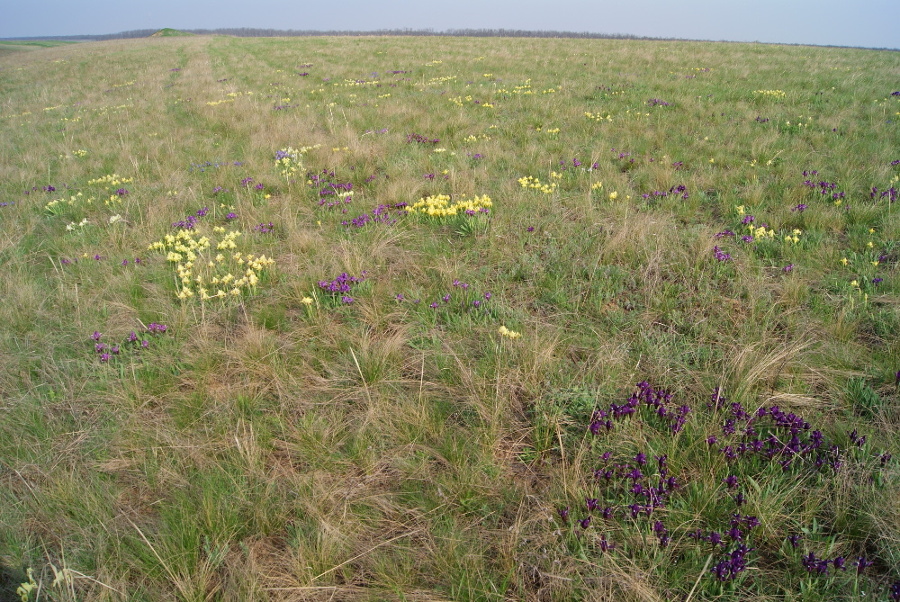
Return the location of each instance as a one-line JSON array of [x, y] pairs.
[[370, 318]]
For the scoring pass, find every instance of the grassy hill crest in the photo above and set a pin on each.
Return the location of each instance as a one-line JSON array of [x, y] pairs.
[[168, 32]]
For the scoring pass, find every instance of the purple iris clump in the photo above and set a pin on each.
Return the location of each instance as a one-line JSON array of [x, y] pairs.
[[721, 255], [732, 565], [382, 214], [661, 533], [890, 194], [862, 563], [341, 284], [814, 565], [190, 221], [156, 328], [421, 139], [679, 190], [717, 400]]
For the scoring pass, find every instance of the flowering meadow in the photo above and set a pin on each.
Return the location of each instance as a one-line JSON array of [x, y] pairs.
[[376, 318]]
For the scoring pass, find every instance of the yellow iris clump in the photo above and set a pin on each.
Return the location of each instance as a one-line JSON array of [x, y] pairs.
[[110, 181], [794, 236], [760, 232], [200, 273], [441, 205], [597, 116], [57, 205], [510, 334], [536, 184], [290, 160]]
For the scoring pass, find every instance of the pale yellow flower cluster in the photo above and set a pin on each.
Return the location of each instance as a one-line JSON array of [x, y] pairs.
[[535, 183], [597, 116], [441, 205], [57, 204], [461, 100], [110, 181], [72, 225], [290, 160], [794, 236], [440, 80], [510, 334], [199, 273], [231, 96], [760, 232], [770, 93], [525, 88]]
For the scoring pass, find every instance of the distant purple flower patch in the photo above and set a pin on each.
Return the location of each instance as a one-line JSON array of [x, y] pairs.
[[421, 139]]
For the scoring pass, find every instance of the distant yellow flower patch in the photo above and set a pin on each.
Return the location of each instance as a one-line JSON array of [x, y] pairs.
[[769, 93], [442, 205]]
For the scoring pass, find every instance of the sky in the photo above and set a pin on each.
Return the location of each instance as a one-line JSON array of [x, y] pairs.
[[862, 23]]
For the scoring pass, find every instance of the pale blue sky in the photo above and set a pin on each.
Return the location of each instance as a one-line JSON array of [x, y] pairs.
[[865, 23]]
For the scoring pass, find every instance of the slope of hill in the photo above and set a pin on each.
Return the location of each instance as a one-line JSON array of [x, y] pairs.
[[449, 319]]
